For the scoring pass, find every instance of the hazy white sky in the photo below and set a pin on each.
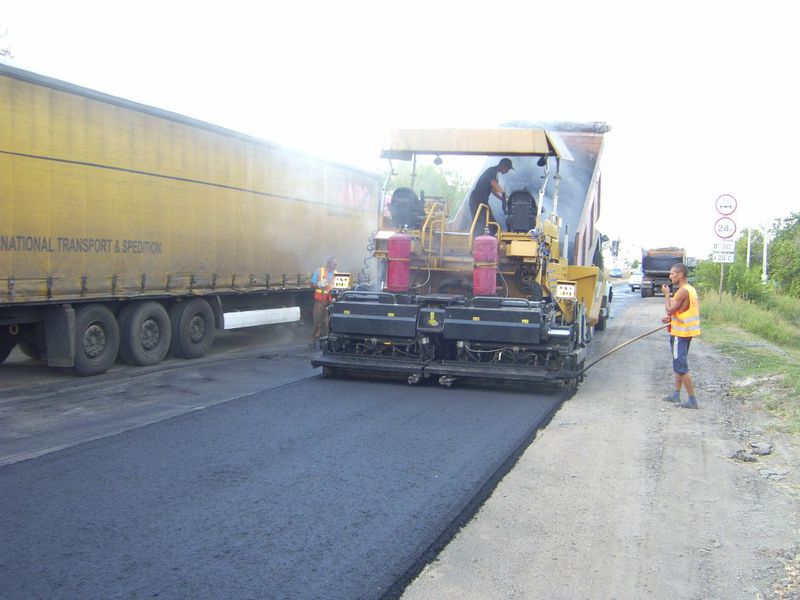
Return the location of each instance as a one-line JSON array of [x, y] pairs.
[[702, 97]]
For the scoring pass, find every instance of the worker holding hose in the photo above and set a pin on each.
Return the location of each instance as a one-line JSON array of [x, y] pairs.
[[683, 316]]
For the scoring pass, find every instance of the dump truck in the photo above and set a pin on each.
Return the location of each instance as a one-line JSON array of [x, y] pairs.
[[656, 263], [130, 231], [518, 301]]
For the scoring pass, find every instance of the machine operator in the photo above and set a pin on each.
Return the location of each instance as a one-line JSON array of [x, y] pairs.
[[486, 186]]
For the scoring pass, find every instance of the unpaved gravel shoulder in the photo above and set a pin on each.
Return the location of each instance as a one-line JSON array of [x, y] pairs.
[[625, 496]]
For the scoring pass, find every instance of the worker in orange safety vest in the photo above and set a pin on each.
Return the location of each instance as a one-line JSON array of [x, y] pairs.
[[683, 316], [322, 281]]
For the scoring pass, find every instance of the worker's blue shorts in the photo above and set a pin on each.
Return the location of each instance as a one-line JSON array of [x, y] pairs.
[[680, 353]]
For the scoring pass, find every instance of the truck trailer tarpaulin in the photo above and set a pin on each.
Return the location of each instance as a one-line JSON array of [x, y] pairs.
[[107, 202]]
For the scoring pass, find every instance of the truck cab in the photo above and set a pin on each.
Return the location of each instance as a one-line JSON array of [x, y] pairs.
[[656, 263]]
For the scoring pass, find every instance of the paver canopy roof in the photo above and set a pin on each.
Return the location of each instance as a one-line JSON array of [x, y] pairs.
[[402, 144]]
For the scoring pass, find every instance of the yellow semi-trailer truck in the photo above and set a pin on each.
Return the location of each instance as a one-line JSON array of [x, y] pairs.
[[132, 231]]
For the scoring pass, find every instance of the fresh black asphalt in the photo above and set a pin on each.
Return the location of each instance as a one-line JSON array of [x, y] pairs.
[[317, 489]]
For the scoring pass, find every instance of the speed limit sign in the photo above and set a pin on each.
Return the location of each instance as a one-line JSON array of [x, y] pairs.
[[725, 228]]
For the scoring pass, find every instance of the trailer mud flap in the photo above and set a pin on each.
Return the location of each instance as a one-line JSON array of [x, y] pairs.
[[59, 328]]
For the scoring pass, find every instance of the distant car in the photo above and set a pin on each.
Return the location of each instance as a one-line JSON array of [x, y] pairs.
[[635, 281], [615, 272]]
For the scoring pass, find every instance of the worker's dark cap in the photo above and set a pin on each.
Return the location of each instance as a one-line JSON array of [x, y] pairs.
[[506, 162]]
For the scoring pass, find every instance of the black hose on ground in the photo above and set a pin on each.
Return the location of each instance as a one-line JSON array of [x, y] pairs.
[[620, 346]]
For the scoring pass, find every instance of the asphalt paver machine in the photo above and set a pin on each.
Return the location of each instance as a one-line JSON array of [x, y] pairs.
[[518, 300]]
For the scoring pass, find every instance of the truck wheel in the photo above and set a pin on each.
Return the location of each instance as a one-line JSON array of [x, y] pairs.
[[7, 343], [96, 339], [146, 333], [192, 325], [601, 322]]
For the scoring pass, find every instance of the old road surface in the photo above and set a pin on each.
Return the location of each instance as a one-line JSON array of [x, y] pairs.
[[241, 475]]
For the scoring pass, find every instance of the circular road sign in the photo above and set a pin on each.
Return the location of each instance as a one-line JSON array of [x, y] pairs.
[[726, 204], [725, 228]]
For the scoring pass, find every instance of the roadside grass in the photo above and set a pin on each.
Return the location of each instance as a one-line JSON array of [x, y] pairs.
[[787, 307], [765, 346]]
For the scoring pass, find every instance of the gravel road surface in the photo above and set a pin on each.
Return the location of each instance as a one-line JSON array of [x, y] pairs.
[[625, 496]]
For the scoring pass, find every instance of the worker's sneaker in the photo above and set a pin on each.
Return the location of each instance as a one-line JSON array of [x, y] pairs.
[[673, 397], [690, 403]]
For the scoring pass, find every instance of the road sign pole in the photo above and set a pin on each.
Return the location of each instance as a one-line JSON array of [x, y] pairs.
[[721, 277], [725, 229]]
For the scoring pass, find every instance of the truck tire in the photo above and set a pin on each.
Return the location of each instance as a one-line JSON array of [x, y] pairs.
[[601, 322], [96, 339], [647, 292], [192, 325], [145, 333]]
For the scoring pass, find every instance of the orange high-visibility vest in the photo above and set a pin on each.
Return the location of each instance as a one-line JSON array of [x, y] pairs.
[[687, 323], [323, 294]]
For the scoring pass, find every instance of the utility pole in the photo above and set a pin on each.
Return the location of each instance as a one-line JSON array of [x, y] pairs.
[[764, 264], [749, 231]]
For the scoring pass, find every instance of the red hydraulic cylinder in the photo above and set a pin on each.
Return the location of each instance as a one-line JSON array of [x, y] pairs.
[[397, 278], [484, 274]]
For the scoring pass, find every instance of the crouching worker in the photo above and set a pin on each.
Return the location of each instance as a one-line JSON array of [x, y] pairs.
[[683, 316], [322, 281]]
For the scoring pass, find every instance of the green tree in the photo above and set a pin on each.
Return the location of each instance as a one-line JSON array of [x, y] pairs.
[[784, 255], [746, 282], [706, 275], [739, 279], [433, 181], [756, 249]]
